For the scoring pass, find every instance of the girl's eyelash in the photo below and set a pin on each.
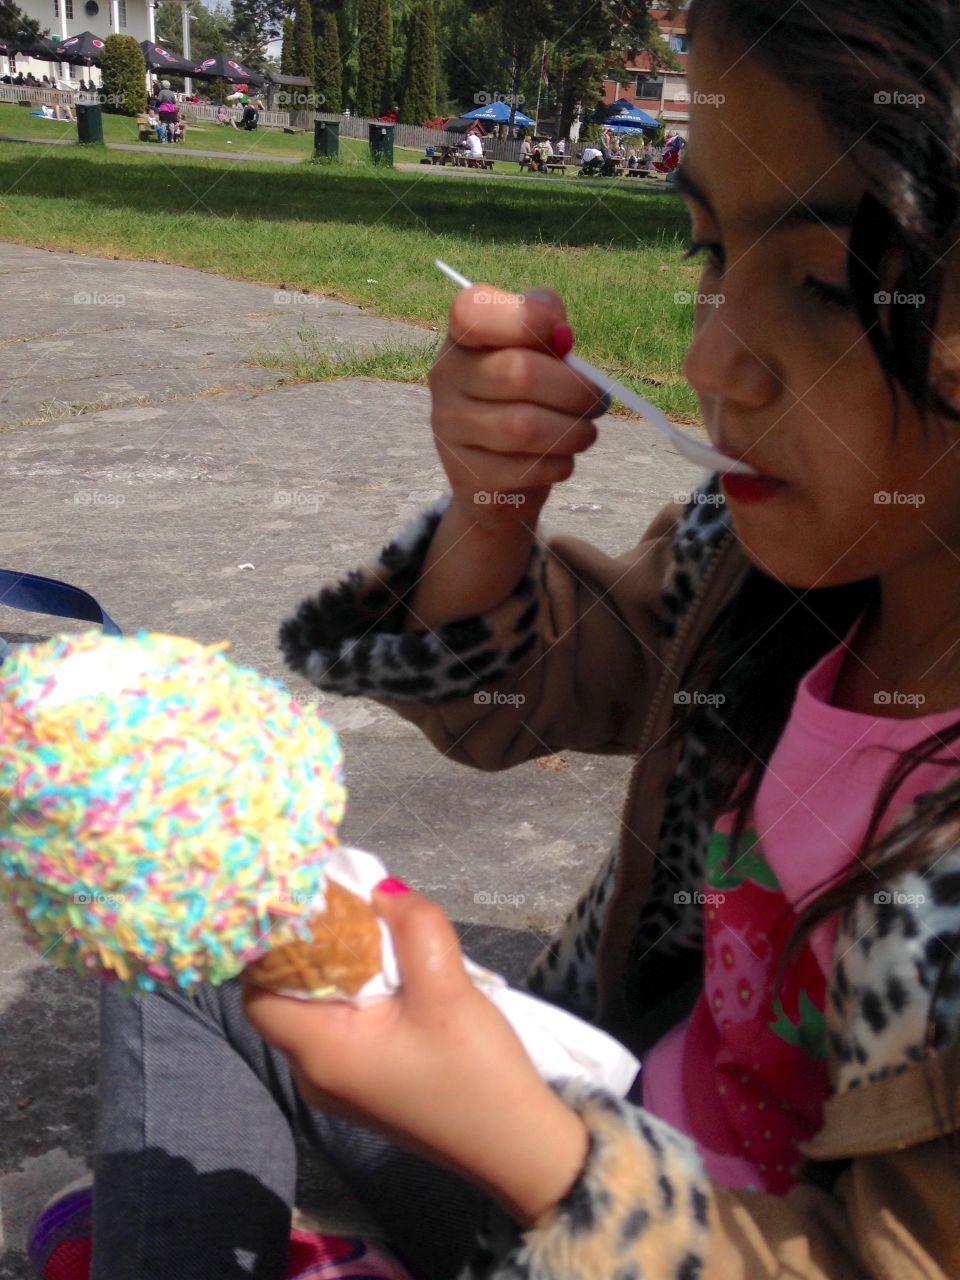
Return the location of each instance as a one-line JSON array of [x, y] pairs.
[[829, 294], [714, 252]]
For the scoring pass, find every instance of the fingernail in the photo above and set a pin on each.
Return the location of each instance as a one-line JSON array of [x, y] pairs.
[[561, 340], [540, 295], [392, 886]]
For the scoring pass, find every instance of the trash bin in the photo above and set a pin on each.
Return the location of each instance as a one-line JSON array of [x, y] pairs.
[[89, 122], [326, 138], [381, 143]]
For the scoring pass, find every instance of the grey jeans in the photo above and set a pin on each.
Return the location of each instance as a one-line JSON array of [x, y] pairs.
[[195, 1164]]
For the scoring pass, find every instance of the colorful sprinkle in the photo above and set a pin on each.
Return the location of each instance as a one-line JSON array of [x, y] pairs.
[[162, 811]]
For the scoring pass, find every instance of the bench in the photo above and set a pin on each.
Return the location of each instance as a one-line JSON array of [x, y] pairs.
[[559, 165], [145, 130]]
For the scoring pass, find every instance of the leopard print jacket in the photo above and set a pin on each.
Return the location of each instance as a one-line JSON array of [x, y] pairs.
[[642, 1204]]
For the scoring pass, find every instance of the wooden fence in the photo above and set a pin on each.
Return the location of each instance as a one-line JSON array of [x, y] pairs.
[[30, 93], [204, 111]]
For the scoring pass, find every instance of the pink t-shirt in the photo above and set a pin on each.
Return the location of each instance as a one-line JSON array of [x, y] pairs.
[[744, 1077]]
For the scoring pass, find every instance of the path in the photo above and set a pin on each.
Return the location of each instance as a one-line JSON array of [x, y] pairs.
[[208, 501]]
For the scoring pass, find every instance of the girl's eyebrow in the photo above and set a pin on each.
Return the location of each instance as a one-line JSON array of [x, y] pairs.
[[800, 213]]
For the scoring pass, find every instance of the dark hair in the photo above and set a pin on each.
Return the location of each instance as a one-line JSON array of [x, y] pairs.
[[843, 59]]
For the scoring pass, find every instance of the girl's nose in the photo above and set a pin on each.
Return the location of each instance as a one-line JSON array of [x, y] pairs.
[[725, 362]]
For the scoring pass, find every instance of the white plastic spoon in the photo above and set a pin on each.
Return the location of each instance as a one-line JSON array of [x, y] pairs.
[[705, 455]]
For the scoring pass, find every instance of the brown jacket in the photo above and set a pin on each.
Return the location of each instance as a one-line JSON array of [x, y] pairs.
[[598, 674]]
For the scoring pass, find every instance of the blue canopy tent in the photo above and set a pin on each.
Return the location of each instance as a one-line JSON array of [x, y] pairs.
[[622, 104], [497, 113], [635, 119]]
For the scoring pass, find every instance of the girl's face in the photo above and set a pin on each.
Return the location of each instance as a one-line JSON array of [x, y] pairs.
[[782, 367]]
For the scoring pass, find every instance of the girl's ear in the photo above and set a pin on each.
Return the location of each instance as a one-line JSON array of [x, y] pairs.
[[945, 367]]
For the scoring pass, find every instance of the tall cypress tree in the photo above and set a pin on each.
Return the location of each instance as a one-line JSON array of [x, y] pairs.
[[418, 91], [387, 97], [303, 51], [329, 72], [369, 84], [286, 49]]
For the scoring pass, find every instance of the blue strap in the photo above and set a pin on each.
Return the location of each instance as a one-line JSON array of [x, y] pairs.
[[47, 595]]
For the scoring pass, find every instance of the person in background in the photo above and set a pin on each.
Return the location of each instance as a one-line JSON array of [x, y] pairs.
[[562, 148], [156, 124], [474, 147], [167, 109], [525, 152]]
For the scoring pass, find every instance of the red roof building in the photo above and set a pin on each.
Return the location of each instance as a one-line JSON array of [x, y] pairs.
[[655, 91]]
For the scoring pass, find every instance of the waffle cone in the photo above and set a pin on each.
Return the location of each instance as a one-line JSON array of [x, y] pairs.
[[342, 958]]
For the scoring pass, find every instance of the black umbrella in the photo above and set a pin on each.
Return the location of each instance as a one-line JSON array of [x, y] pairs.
[[220, 66], [159, 58], [34, 46], [82, 50]]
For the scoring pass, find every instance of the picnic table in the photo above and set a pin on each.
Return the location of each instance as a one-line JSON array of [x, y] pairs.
[[558, 163]]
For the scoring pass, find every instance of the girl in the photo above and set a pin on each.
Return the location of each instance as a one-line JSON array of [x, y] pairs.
[[778, 932]]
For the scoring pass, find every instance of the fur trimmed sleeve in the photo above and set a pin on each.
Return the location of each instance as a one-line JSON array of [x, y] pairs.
[[352, 638], [640, 1208]]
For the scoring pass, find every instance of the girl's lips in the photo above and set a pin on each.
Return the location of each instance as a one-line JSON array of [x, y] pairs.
[[750, 488]]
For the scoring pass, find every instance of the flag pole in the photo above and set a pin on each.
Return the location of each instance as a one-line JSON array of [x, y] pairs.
[[540, 78]]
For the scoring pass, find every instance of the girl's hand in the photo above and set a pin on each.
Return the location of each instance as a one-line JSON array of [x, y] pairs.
[[436, 1067], [508, 416]]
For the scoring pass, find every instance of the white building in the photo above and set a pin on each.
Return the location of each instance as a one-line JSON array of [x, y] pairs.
[[64, 18]]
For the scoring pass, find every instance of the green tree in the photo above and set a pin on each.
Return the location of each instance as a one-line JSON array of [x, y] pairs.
[[302, 60], [418, 89], [124, 76], [286, 49], [388, 97], [14, 23], [328, 70], [211, 30], [374, 38], [255, 24]]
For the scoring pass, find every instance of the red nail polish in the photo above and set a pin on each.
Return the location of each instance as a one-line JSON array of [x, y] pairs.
[[392, 886], [561, 340]]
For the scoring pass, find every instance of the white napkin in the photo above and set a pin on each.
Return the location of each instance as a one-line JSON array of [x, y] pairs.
[[559, 1044]]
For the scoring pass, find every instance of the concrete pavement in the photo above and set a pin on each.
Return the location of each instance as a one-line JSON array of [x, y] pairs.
[[146, 460]]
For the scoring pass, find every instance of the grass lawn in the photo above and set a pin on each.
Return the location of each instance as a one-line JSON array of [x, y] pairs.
[[369, 236], [17, 122]]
